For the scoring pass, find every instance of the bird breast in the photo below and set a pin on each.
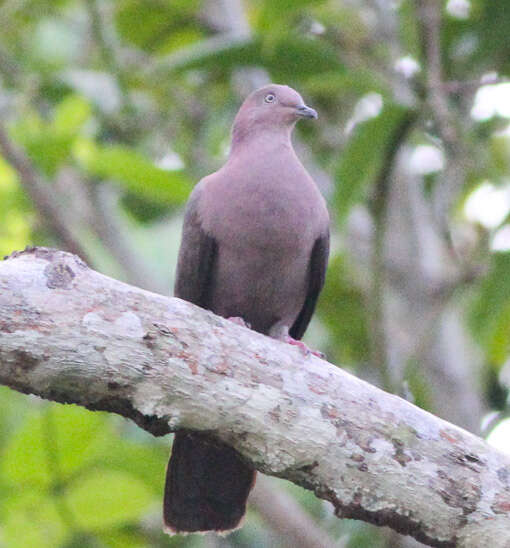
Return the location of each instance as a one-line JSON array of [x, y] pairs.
[[273, 218], [264, 228]]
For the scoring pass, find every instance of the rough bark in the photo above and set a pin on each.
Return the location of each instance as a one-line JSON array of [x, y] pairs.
[[70, 334]]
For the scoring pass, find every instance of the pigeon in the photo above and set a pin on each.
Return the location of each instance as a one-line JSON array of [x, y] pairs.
[[254, 249]]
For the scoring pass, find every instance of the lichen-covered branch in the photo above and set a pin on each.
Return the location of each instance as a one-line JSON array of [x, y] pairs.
[[70, 334]]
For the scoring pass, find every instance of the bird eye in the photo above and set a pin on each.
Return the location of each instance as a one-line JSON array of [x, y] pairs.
[[270, 98]]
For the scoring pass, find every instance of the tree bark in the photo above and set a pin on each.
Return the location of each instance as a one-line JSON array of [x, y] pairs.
[[72, 335]]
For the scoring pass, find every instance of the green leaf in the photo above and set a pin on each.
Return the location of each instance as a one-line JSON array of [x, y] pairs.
[[8, 177], [15, 227], [24, 462], [294, 57], [134, 171], [49, 144], [52, 444], [70, 115], [145, 462], [499, 148], [494, 30], [78, 435], [362, 157], [13, 410], [48, 150], [108, 498], [32, 520], [287, 57], [347, 323], [408, 29], [150, 25], [490, 312], [498, 341], [279, 12], [45, 147], [115, 538], [332, 84], [418, 385]]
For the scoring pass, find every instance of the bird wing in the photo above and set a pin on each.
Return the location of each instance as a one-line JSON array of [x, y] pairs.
[[316, 277], [196, 256]]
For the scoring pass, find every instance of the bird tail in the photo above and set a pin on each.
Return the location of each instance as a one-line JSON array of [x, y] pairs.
[[207, 485]]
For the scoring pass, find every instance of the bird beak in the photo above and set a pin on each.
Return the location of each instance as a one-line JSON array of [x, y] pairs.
[[306, 112]]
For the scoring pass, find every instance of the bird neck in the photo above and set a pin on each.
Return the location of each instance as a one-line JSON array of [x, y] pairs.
[[260, 140]]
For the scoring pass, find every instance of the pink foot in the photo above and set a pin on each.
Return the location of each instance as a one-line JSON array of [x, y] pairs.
[[239, 321], [302, 346]]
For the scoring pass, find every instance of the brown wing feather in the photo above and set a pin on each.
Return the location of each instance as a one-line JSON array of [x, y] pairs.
[[196, 256], [316, 277]]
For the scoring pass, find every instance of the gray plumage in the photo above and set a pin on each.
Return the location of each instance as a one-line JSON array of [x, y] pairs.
[[255, 245], [256, 232]]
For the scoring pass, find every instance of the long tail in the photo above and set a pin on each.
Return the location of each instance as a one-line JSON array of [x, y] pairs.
[[207, 485]]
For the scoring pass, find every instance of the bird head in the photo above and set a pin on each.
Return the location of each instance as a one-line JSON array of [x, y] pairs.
[[271, 108]]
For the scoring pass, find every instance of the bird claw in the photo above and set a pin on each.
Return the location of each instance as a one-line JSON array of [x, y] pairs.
[[303, 347], [239, 321]]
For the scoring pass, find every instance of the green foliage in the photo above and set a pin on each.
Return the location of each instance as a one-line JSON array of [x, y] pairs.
[[499, 150], [32, 519], [490, 312], [166, 25], [121, 497], [62, 464], [14, 228], [327, 85], [364, 153], [49, 144], [48, 149], [135, 172], [289, 58], [24, 459], [415, 387], [342, 309], [408, 29], [274, 17], [163, 76], [495, 33], [70, 115]]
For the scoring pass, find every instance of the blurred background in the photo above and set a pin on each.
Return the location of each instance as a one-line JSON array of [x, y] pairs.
[[110, 112]]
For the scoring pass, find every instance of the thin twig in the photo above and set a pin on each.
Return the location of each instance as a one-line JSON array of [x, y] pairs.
[[41, 194], [124, 126], [461, 86], [379, 214], [284, 515], [108, 225], [453, 176], [430, 23]]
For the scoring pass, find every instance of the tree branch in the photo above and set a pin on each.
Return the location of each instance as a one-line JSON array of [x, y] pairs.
[[379, 210], [70, 334], [114, 235], [429, 12], [441, 109]]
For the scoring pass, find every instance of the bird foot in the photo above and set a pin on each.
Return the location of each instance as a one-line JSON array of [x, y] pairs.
[[239, 321], [303, 347]]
